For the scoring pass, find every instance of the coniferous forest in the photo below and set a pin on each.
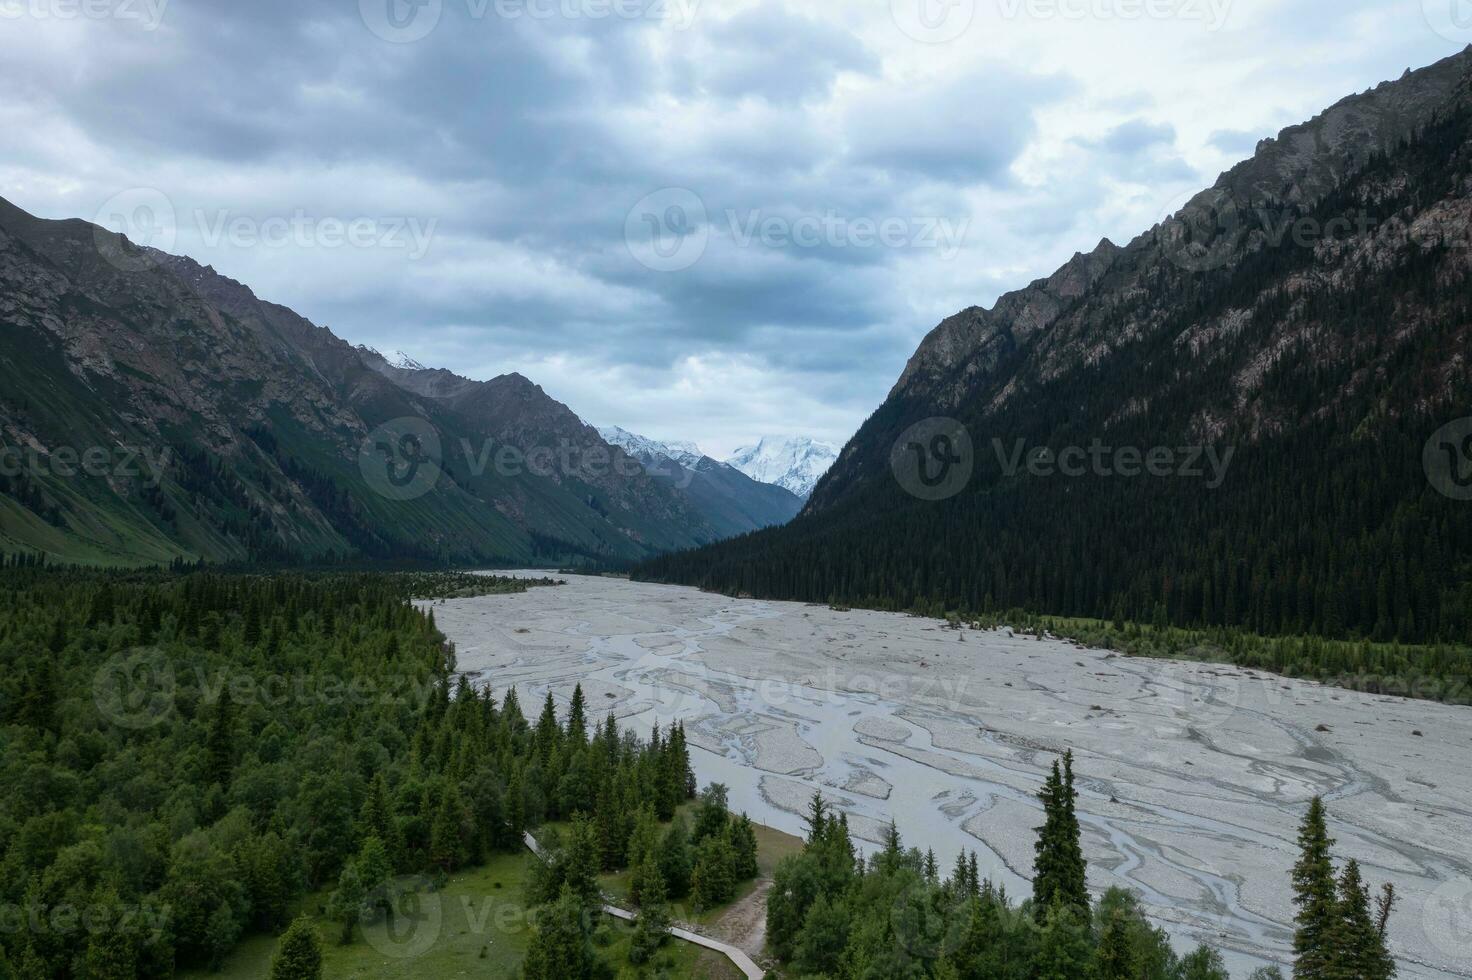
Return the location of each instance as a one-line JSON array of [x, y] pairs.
[[184, 755]]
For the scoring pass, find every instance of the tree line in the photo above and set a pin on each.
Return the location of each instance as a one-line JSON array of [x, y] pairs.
[[833, 914]]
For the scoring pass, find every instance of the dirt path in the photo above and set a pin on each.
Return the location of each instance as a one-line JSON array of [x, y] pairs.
[[744, 925]]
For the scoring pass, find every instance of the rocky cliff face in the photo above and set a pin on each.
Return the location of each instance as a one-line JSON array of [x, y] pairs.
[[1309, 315], [261, 419], [1070, 322]]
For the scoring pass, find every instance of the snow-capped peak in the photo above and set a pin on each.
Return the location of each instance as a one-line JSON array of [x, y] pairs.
[[404, 362], [796, 462], [642, 447]]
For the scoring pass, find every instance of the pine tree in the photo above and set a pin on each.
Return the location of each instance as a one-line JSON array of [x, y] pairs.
[[652, 924], [547, 735], [577, 864], [560, 948], [446, 841], [743, 842], [1315, 895], [713, 879], [817, 818], [298, 956], [674, 859], [577, 719], [1360, 952], [220, 743]]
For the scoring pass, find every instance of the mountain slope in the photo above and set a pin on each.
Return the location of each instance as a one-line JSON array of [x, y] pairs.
[[794, 463], [1323, 359], [731, 501], [270, 432]]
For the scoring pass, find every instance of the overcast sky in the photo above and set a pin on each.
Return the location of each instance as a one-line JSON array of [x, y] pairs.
[[698, 219]]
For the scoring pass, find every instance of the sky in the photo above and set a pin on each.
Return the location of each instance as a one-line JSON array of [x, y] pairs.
[[703, 220]]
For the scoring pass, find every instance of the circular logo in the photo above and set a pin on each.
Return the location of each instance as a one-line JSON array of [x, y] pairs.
[[409, 919], [1447, 459], [144, 217], [933, 21], [933, 459], [1452, 19], [1447, 918], [135, 688], [920, 930], [668, 231], [400, 460], [401, 21], [1200, 694], [1202, 237]]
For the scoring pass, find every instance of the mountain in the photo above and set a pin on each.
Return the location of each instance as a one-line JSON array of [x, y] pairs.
[[794, 463], [1289, 353], [732, 502], [645, 448], [154, 410]]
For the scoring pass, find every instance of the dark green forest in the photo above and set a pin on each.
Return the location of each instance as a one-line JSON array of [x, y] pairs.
[[1326, 523], [184, 755]]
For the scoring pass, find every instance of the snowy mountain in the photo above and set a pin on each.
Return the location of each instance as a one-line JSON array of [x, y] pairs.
[[796, 463], [729, 499], [644, 448]]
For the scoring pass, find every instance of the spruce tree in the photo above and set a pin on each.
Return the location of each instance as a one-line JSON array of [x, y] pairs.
[[560, 947], [652, 924], [220, 743], [577, 719], [1315, 894], [1359, 945]]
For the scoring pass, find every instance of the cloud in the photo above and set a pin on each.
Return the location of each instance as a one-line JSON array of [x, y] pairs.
[[526, 139], [964, 129]]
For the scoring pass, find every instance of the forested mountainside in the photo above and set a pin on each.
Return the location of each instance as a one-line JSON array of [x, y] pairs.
[[1295, 339], [154, 409]]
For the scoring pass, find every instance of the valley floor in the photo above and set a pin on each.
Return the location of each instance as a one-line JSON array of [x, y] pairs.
[[1194, 776]]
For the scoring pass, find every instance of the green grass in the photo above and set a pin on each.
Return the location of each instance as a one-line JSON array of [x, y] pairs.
[[477, 926], [771, 847]]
